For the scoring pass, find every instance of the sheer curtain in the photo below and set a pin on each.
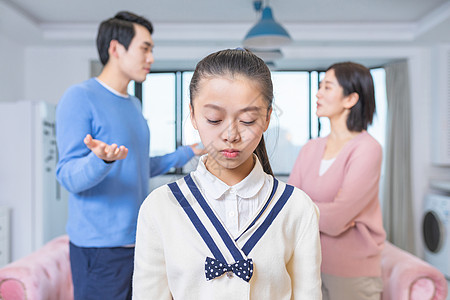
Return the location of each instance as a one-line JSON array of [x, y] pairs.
[[397, 195]]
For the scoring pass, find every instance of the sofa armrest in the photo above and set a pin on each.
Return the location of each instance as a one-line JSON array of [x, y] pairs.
[[407, 277], [44, 274]]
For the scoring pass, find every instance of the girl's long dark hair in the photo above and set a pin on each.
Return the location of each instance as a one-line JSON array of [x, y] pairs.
[[232, 62]]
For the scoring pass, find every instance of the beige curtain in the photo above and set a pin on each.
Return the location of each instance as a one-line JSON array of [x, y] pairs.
[[397, 195]]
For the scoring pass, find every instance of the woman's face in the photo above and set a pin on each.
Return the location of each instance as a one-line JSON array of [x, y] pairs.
[[231, 116], [330, 97]]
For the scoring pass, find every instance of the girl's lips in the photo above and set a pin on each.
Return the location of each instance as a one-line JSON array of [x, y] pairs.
[[230, 153]]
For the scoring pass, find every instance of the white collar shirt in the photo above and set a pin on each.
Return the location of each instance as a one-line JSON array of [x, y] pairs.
[[235, 205]]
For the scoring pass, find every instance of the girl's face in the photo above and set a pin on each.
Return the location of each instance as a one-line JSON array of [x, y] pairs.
[[230, 115], [331, 101]]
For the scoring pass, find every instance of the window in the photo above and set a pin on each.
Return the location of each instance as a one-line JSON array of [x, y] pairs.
[[165, 98], [158, 95], [289, 126]]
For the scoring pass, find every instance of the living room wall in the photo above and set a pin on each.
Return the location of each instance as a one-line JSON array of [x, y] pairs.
[[11, 70]]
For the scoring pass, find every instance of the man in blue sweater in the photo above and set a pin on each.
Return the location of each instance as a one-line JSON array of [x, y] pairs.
[[107, 182]]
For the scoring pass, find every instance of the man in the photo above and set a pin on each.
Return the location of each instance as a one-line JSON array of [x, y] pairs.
[[107, 182]]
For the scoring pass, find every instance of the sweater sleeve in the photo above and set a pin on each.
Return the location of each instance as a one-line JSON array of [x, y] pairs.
[[78, 167], [150, 276], [358, 190], [162, 164], [304, 265]]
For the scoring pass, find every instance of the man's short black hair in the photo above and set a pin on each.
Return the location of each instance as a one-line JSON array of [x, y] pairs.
[[119, 28]]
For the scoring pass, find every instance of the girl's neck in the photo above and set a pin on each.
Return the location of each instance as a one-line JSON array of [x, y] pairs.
[[230, 176]]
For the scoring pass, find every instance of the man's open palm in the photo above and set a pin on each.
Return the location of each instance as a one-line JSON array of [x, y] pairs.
[[104, 151]]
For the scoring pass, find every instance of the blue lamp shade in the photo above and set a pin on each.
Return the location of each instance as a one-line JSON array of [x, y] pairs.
[[266, 34]]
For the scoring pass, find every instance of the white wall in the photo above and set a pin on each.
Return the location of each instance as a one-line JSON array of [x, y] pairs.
[[51, 70], [12, 70]]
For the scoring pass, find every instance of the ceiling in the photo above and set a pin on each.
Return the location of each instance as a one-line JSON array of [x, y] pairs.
[[189, 29], [206, 11]]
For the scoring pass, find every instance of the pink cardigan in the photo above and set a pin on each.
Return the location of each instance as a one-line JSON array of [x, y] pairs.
[[351, 227]]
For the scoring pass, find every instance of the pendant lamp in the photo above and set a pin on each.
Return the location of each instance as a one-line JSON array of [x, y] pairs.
[[266, 34]]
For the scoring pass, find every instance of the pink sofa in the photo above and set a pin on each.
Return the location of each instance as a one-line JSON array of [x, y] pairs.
[[45, 275], [406, 277], [42, 275]]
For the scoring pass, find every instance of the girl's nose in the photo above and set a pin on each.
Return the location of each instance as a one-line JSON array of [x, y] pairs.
[[232, 133]]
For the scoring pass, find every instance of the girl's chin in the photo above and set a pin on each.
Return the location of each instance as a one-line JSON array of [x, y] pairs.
[[223, 162]]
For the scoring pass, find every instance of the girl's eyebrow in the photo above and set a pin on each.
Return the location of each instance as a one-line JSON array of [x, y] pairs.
[[249, 108], [213, 106]]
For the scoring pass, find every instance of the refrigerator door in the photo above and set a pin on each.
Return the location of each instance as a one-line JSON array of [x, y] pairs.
[[28, 186]]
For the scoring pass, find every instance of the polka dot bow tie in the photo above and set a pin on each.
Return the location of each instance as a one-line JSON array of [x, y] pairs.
[[242, 268]]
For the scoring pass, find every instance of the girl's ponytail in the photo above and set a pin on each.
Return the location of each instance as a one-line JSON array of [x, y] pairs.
[[261, 153]]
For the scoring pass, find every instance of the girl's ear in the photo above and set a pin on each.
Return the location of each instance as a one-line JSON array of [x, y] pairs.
[[193, 121], [351, 100], [269, 114]]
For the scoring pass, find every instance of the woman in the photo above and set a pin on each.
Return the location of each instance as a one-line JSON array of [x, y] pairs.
[[341, 174]]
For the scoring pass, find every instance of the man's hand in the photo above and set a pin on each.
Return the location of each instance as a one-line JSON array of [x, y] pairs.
[[104, 151], [197, 150]]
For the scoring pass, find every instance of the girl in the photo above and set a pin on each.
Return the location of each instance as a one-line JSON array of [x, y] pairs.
[[228, 230], [341, 174]]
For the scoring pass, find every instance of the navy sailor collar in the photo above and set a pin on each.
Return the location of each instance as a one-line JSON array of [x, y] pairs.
[[211, 229]]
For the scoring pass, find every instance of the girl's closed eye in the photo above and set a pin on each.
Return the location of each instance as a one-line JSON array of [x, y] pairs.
[[213, 121], [248, 122]]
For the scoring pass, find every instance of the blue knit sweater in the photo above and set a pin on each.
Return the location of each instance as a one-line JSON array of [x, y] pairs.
[[105, 198]]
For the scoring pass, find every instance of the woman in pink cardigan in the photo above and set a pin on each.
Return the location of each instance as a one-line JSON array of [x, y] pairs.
[[341, 173]]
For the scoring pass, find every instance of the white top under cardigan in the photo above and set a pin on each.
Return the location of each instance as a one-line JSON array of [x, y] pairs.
[[236, 204], [170, 253]]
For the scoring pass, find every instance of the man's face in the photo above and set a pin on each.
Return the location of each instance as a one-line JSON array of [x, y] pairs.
[[135, 62]]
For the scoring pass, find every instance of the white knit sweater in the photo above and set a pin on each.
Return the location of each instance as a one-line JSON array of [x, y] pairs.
[[170, 253]]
